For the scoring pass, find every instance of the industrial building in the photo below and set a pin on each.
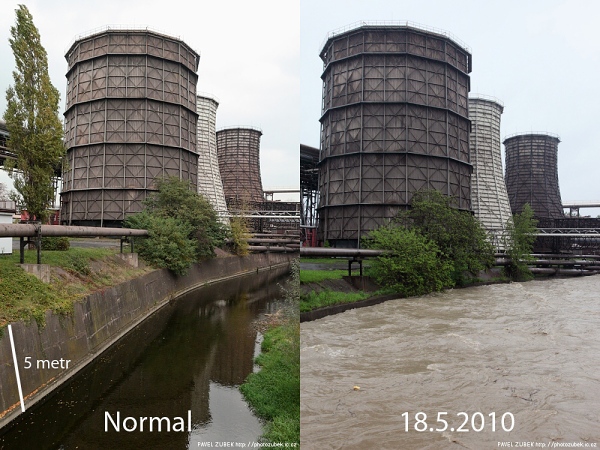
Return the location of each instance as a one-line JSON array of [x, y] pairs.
[[309, 194], [532, 174], [489, 198], [394, 121], [130, 118], [209, 176]]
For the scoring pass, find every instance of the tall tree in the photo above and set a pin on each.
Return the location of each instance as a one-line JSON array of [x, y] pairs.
[[32, 118]]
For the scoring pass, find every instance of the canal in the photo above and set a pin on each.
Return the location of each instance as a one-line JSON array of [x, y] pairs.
[[190, 356], [489, 366]]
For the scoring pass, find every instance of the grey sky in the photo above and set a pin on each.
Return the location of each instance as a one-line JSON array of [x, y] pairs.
[[249, 59], [540, 58]]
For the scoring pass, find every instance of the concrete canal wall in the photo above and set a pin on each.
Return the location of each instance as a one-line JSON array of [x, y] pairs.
[[97, 322]]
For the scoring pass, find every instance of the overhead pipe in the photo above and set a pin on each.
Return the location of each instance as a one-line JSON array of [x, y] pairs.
[[32, 230]]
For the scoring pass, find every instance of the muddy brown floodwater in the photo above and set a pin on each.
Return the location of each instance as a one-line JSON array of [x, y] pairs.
[[483, 355]]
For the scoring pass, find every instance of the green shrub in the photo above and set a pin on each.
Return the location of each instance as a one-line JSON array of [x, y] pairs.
[[519, 245], [176, 199], [55, 243], [183, 227], [413, 265], [459, 236], [168, 244], [239, 233]]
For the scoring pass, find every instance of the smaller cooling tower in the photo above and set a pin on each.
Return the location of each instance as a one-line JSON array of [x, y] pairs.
[[209, 177], [489, 198], [532, 174], [239, 163]]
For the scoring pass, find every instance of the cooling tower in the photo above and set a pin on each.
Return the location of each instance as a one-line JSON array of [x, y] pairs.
[[394, 121], [239, 163], [488, 191], [532, 174], [209, 177], [130, 118]]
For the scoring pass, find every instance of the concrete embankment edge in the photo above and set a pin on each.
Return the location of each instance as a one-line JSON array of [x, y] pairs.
[[101, 319]]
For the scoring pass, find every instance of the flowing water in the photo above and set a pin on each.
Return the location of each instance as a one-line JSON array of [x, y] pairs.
[[483, 355], [191, 355]]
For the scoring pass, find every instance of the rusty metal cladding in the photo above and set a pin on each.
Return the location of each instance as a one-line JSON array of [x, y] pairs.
[[532, 174], [239, 163], [130, 119], [394, 121], [488, 191], [209, 177]]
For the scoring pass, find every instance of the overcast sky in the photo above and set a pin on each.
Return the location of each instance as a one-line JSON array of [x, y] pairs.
[[249, 59], [540, 58]]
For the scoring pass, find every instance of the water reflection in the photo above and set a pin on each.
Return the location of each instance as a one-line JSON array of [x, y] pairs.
[[190, 355]]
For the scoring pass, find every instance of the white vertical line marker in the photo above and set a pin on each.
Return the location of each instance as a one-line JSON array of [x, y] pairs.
[[12, 345]]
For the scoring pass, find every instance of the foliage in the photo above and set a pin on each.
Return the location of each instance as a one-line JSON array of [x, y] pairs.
[[412, 265], [459, 236], [239, 231], [274, 391], [176, 199], [183, 227], [55, 243], [521, 230], [168, 244], [32, 118]]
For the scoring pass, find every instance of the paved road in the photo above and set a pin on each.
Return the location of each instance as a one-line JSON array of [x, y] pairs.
[[82, 242]]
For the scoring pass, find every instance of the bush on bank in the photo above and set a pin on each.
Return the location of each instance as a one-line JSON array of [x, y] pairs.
[[413, 266], [519, 245], [168, 244], [183, 227], [459, 236]]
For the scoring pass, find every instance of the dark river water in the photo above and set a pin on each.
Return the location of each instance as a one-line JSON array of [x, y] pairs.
[[511, 365], [189, 356]]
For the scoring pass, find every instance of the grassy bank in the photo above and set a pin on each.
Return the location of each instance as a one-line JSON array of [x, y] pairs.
[[324, 287], [316, 276], [75, 273], [274, 391], [326, 294], [314, 300]]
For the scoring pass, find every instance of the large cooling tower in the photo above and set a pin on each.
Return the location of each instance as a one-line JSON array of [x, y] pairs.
[[532, 174], [209, 177], [130, 119], [488, 191], [394, 121], [239, 163]]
